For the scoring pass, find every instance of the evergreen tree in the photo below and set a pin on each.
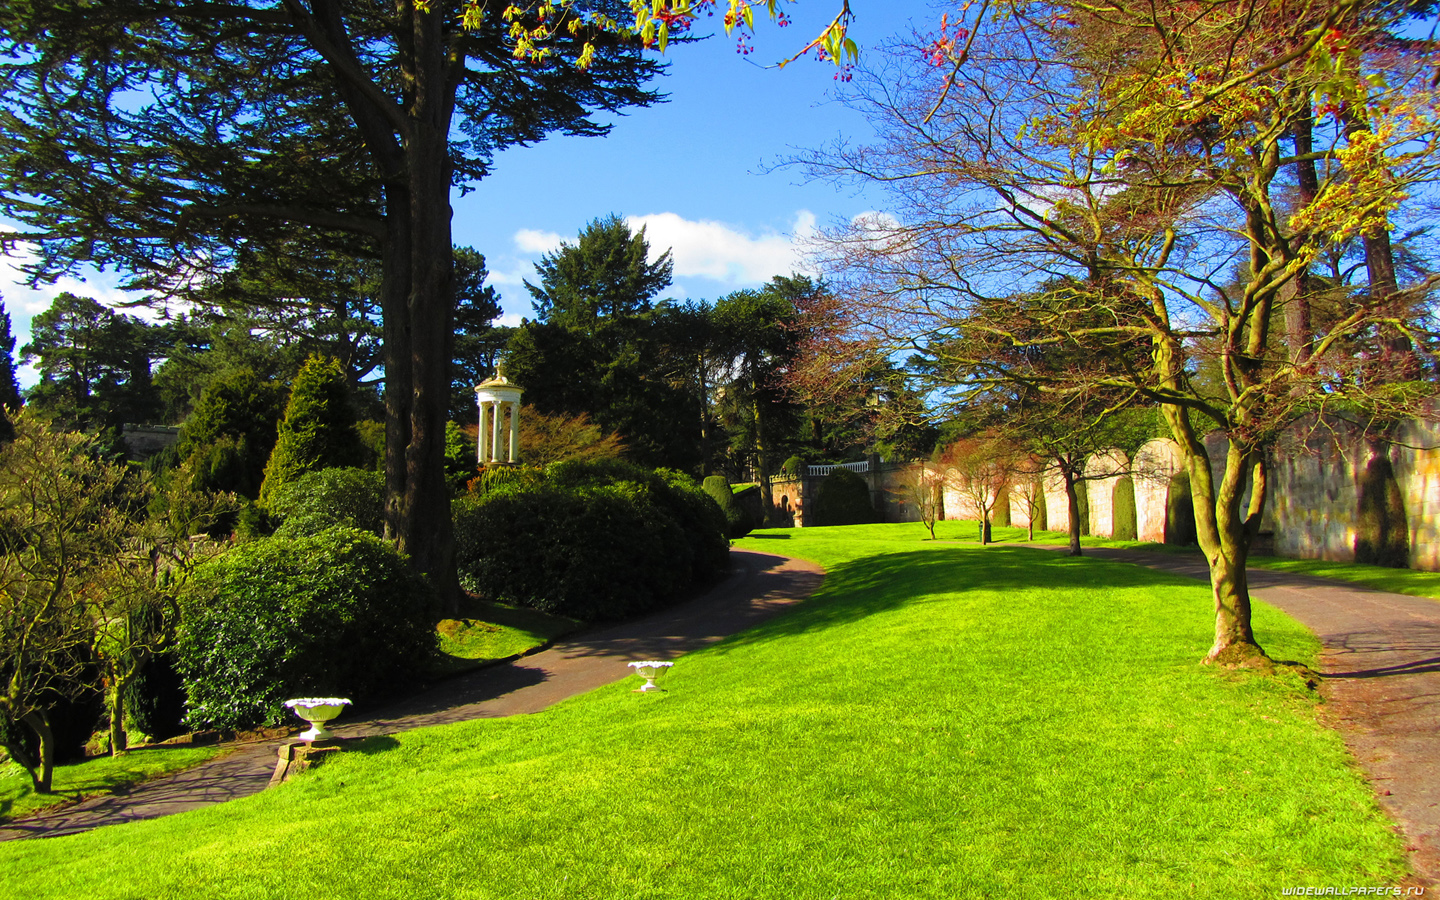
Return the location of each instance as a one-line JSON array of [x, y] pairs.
[[228, 438], [599, 346], [94, 365], [318, 431], [161, 137], [477, 342], [9, 387]]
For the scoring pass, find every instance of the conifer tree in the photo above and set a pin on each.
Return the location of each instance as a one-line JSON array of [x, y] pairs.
[[318, 431], [9, 387]]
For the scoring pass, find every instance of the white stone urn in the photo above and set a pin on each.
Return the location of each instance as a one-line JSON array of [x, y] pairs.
[[649, 670], [317, 711]]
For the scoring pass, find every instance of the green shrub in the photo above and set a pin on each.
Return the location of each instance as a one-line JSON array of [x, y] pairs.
[[1082, 497], [590, 540], [318, 430], [843, 498], [1124, 524], [336, 614], [319, 500], [737, 523], [231, 432]]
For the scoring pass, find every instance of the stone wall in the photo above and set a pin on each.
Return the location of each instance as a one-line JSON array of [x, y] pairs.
[[1313, 508]]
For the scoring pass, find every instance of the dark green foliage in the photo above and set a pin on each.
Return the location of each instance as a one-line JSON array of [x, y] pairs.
[[477, 342], [337, 614], [1082, 500], [591, 540], [737, 523], [231, 433], [1180, 511], [318, 430], [9, 387], [1382, 533], [94, 366], [316, 501], [601, 347], [752, 506], [1124, 523], [842, 498], [460, 456]]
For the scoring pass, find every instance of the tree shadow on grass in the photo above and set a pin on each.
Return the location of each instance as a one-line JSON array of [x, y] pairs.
[[873, 584]]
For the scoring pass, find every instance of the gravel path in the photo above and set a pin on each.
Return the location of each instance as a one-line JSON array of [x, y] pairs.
[[759, 586]]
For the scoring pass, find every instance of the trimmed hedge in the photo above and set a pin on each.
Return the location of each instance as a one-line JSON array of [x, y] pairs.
[[599, 539], [338, 614], [738, 523], [843, 498]]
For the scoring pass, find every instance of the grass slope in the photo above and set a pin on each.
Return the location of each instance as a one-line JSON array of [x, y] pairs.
[[102, 775], [938, 721]]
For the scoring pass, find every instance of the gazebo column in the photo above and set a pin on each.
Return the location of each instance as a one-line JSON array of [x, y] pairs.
[[497, 411], [482, 455], [515, 431]]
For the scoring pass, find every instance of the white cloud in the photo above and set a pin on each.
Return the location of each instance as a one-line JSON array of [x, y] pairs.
[[509, 320], [709, 249], [528, 240], [23, 301]]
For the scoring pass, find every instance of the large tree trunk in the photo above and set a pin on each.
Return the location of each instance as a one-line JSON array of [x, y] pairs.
[[1072, 500], [43, 769], [1296, 293], [1225, 532], [419, 312]]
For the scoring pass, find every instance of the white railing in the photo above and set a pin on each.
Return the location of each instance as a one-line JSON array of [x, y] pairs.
[[820, 471]]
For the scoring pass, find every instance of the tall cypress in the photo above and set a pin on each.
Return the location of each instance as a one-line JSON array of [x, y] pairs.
[[318, 431], [9, 387]]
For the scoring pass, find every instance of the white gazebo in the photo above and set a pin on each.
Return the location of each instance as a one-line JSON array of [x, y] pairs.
[[495, 397]]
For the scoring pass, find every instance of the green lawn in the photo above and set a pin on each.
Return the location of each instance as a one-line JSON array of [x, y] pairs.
[[1381, 578], [488, 631], [939, 721], [101, 775]]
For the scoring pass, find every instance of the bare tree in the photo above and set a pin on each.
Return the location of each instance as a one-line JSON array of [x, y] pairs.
[[1123, 171]]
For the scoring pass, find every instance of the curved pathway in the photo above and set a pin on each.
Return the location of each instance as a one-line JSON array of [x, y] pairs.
[[1381, 667], [758, 586]]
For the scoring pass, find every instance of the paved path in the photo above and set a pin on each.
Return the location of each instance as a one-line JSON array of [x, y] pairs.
[[758, 586], [1381, 662]]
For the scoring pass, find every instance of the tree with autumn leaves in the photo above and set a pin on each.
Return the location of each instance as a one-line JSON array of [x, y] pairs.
[[1145, 172]]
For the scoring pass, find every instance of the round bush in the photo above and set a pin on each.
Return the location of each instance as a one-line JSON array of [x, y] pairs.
[[843, 498], [339, 613], [319, 500], [592, 540], [737, 523]]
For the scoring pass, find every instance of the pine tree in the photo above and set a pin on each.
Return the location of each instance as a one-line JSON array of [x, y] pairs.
[[9, 387], [318, 431]]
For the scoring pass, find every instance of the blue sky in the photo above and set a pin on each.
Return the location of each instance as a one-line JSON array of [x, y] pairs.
[[692, 170]]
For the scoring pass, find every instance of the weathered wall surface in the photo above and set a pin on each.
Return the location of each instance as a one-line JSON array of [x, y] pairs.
[[1417, 469], [1156, 463], [1316, 497], [1101, 472]]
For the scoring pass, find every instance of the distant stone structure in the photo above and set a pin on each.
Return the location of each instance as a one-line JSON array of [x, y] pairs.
[[1317, 507], [144, 441]]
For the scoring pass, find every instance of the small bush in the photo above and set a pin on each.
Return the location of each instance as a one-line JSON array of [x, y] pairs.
[[336, 614], [1124, 524], [590, 540], [737, 522], [843, 498], [319, 500]]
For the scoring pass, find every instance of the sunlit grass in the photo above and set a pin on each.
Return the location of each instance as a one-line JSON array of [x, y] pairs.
[[92, 777], [938, 721], [489, 631]]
